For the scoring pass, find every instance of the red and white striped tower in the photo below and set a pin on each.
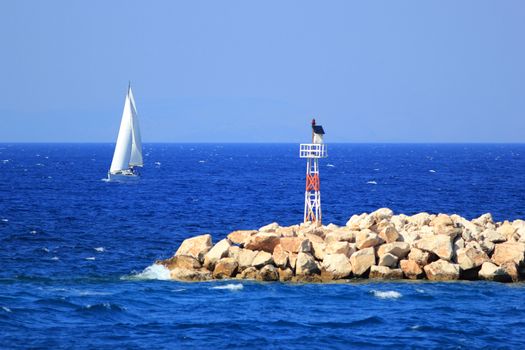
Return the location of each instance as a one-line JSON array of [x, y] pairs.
[[312, 196]]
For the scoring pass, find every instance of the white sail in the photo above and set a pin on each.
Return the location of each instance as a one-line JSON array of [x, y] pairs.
[[136, 145], [122, 153]]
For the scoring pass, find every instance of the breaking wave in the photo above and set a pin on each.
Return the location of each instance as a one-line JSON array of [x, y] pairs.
[[152, 272], [389, 294], [229, 286]]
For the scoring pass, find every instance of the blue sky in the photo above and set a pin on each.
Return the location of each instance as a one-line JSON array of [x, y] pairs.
[[243, 71]]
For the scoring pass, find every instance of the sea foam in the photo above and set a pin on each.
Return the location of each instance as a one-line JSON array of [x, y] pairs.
[[153, 272], [388, 294], [229, 286]]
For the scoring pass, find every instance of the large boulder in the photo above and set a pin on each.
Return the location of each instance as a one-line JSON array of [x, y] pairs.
[[337, 265], [319, 250], [388, 260], [368, 239], [249, 273], [190, 275], [512, 270], [262, 241], [411, 269], [219, 251], [442, 270], [339, 235], [241, 236], [493, 236], [287, 231], [280, 256], [225, 268], [261, 259], [295, 244], [444, 225], [385, 273], [245, 258], [268, 273], [382, 214], [270, 227], [389, 234], [441, 245], [484, 220], [509, 251], [181, 262], [421, 257], [195, 247], [492, 272], [399, 249], [508, 231], [306, 265], [471, 257], [339, 248], [420, 219], [233, 252], [362, 260]]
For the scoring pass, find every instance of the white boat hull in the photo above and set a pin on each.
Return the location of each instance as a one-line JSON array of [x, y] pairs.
[[123, 176]]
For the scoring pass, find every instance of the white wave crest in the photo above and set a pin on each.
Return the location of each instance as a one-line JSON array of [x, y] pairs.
[[432, 171], [90, 258], [230, 286], [372, 182], [100, 249], [389, 294], [6, 309], [153, 272], [330, 165]]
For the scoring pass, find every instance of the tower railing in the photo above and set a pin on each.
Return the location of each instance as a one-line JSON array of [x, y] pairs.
[[313, 150]]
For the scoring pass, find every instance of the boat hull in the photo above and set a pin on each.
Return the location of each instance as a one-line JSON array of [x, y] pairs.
[[122, 177]]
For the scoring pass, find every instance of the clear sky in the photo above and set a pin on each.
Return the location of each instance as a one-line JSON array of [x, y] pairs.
[[257, 71]]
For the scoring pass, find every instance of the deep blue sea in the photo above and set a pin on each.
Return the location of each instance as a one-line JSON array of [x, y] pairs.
[[72, 247]]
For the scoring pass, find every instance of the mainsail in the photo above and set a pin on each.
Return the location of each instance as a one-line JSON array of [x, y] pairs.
[[136, 145], [128, 150]]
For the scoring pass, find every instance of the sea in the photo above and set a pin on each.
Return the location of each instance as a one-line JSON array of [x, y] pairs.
[[76, 251]]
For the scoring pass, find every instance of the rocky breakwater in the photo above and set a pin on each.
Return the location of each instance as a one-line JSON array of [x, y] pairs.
[[379, 245]]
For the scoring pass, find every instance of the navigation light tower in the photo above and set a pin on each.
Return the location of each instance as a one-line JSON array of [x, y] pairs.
[[312, 196]]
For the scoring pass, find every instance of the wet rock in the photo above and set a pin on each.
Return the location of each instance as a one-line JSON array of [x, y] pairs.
[[285, 274], [249, 273], [225, 268], [306, 265], [338, 265], [218, 251], [492, 272], [511, 269], [385, 273], [190, 275], [411, 269], [195, 247], [362, 260], [441, 245], [268, 273], [241, 236], [509, 251], [442, 270], [181, 262], [261, 259], [263, 241], [388, 260]]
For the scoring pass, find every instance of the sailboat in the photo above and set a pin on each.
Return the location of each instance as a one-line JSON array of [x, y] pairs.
[[128, 150]]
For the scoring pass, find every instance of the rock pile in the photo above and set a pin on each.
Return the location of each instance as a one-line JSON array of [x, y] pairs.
[[379, 245]]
